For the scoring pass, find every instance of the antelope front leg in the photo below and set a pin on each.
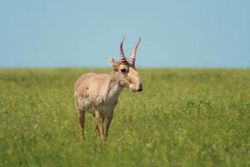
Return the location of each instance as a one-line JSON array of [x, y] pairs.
[[99, 124], [81, 117], [107, 122]]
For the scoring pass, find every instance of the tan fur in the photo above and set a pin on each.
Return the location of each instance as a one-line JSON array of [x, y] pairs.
[[98, 94]]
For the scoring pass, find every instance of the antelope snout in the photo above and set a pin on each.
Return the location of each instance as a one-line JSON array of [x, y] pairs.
[[140, 88]]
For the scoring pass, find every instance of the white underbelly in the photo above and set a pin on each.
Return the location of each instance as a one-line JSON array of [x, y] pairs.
[[88, 106]]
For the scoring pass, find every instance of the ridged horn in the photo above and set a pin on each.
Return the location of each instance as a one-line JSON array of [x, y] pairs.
[[133, 55], [122, 58]]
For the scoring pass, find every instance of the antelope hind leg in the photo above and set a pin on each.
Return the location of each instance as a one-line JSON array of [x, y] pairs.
[[81, 117]]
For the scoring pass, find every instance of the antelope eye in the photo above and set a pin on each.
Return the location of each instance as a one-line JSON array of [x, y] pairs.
[[124, 70]]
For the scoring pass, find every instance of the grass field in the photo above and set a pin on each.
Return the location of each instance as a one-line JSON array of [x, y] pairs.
[[183, 117]]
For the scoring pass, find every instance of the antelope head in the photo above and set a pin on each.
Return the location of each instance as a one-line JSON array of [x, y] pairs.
[[125, 70]]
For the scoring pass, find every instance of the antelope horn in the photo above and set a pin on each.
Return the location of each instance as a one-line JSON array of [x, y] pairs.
[[123, 58], [133, 55]]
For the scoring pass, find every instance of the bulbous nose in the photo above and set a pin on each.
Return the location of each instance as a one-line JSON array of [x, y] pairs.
[[140, 88]]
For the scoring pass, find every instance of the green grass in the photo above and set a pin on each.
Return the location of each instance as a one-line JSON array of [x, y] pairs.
[[183, 118]]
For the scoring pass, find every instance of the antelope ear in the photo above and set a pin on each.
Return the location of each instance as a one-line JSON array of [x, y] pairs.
[[114, 64]]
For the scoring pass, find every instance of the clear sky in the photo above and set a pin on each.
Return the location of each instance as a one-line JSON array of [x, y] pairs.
[[82, 33]]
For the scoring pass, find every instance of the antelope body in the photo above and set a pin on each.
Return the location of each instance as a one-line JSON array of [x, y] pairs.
[[98, 93]]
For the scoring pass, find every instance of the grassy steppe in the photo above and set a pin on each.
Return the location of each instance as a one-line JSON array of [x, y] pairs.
[[184, 117]]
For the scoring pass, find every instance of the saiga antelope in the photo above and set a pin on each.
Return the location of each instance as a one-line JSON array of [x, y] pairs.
[[98, 93]]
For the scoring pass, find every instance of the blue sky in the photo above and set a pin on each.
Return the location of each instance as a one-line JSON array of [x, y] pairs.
[[79, 33]]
